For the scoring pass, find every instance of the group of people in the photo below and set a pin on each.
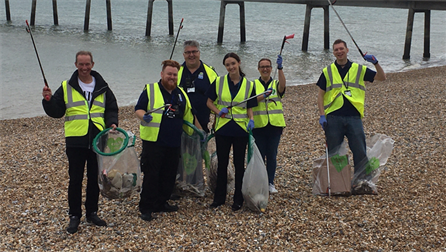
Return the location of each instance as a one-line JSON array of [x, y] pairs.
[[192, 92]]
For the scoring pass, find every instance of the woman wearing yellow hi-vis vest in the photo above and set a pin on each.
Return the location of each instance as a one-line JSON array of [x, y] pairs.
[[268, 115], [232, 125], [340, 101], [162, 107], [89, 106]]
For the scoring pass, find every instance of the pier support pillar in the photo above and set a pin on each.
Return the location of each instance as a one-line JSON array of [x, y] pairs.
[[87, 15], [33, 13], [150, 14], [8, 11], [55, 16], [306, 34], [109, 16], [221, 25], [409, 29]]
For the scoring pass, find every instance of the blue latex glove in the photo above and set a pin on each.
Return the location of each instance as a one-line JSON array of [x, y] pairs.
[[147, 118], [268, 93], [279, 61], [250, 125], [323, 121], [223, 112], [370, 58]]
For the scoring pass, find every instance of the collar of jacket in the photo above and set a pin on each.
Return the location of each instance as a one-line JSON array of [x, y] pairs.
[[100, 87]]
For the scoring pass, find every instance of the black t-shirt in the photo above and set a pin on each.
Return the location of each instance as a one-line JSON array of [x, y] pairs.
[[232, 128], [347, 109], [172, 120]]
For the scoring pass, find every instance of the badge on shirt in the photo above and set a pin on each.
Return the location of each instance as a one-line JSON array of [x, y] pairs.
[[348, 92], [200, 75], [191, 90]]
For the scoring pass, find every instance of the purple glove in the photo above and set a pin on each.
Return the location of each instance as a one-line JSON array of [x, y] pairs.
[[250, 125], [147, 118], [323, 121], [370, 58], [268, 93], [223, 112]]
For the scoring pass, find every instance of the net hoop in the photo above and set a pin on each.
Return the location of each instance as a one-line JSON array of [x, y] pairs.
[[124, 145]]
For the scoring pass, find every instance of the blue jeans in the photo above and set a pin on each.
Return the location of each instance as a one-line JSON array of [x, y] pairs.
[[268, 145], [351, 127]]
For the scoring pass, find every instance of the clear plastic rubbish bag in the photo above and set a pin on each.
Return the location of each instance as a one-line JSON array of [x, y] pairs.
[[379, 149], [118, 165], [190, 178], [255, 188], [211, 165], [338, 174]]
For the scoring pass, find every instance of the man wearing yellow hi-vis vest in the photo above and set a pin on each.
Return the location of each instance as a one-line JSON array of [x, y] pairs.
[[268, 115], [341, 100], [195, 77], [89, 106], [161, 108]]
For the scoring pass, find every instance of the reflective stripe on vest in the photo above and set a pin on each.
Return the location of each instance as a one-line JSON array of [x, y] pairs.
[[335, 88], [237, 113], [271, 113], [78, 113], [150, 131]]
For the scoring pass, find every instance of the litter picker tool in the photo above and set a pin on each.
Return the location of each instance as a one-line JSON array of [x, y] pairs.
[[178, 33], [246, 100], [156, 109], [328, 170], [331, 4], [283, 44], [28, 29]]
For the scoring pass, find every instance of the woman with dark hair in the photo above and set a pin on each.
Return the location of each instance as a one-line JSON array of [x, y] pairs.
[[231, 126], [269, 119]]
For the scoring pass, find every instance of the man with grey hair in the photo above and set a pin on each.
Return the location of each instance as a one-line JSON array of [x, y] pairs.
[[195, 77]]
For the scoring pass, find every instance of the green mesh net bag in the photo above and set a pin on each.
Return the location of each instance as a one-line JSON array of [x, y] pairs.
[[118, 164]]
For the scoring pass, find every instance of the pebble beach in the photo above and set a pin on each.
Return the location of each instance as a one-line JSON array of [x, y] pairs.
[[408, 214]]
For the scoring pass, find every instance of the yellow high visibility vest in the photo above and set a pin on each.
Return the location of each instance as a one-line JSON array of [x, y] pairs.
[[78, 113], [212, 75], [150, 131], [237, 113], [271, 112], [336, 87]]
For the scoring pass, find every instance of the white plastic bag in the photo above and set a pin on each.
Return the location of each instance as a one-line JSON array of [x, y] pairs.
[[255, 187]]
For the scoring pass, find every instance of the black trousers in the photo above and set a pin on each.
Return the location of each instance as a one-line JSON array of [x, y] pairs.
[[224, 144], [159, 165], [76, 163]]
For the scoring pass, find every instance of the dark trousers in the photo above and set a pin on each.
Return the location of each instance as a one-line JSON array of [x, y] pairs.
[[159, 165], [76, 163], [224, 144], [268, 145]]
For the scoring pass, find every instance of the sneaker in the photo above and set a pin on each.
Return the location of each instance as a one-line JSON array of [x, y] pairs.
[[364, 187], [236, 207], [146, 216], [74, 224], [216, 204], [272, 189], [94, 218], [167, 208]]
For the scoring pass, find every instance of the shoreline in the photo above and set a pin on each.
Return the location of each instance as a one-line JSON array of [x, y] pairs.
[[407, 213]]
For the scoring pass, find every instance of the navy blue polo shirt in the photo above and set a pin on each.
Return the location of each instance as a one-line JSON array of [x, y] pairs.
[[195, 85], [347, 109], [170, 128], [232, 128]]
